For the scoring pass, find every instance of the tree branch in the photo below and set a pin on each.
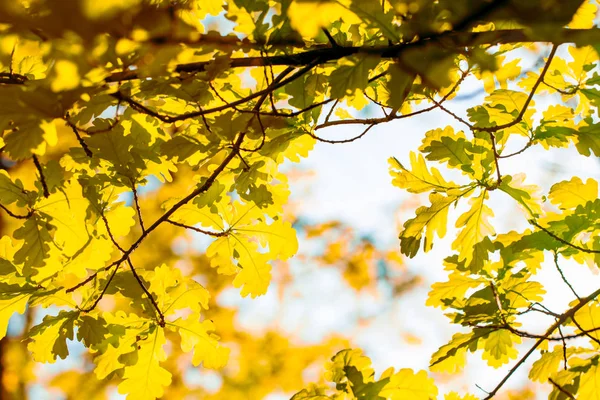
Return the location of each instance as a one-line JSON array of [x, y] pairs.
[[6, 210], [559, 321], [580, 37], [193, 228], [563, 241], [561, 389], [38, 166], [161, 316]]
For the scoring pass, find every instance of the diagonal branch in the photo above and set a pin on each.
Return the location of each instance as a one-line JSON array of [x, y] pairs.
[[38, 166], [561, 389], [161, 316], [563, 241], [537, 83], [559, 321]]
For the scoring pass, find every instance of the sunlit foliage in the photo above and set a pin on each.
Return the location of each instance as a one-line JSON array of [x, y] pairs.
[[129, 127]]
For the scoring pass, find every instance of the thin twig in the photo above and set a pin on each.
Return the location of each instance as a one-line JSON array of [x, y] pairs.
[[137, 206], [92, 277], [193, 228], [559, 321], [332, 41], [496, 161], [342, 140], [561, 389], [6, 210], [537, 83], [563, 277], [527, 145], [93, 306], [42, 179], [83, 144], [563, 241], [331, 111], [181, 117], [161, 317], [564, 347]]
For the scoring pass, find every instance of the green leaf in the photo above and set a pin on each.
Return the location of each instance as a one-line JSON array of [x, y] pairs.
[[351, 74], [12, 192], [35, 249], [523, 194], [449, 147], [91, 331], [588, 140], [592, 94], [399, 86]]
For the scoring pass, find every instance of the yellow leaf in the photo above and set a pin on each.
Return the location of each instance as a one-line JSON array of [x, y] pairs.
[[120, 220], [452, 357], [503, 74], [584, 17], [431, 219], [196, 336], [108, 360], [418, 179], [190, 294], [589, 384], [308, 17], [476, 227], [498, 348], [10, 306], [568, 195], [588, 319], [547, 364], [67, 76], [527, 196], [162, 280], [146, 379], [405, 384], [49, 338], [68, 210], [94, 255], [457, 286], [336, 369], [280, 237], [456, 396], [254, 275]]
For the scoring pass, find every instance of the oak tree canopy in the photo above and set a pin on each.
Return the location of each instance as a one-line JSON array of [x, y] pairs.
[[129, 125]]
